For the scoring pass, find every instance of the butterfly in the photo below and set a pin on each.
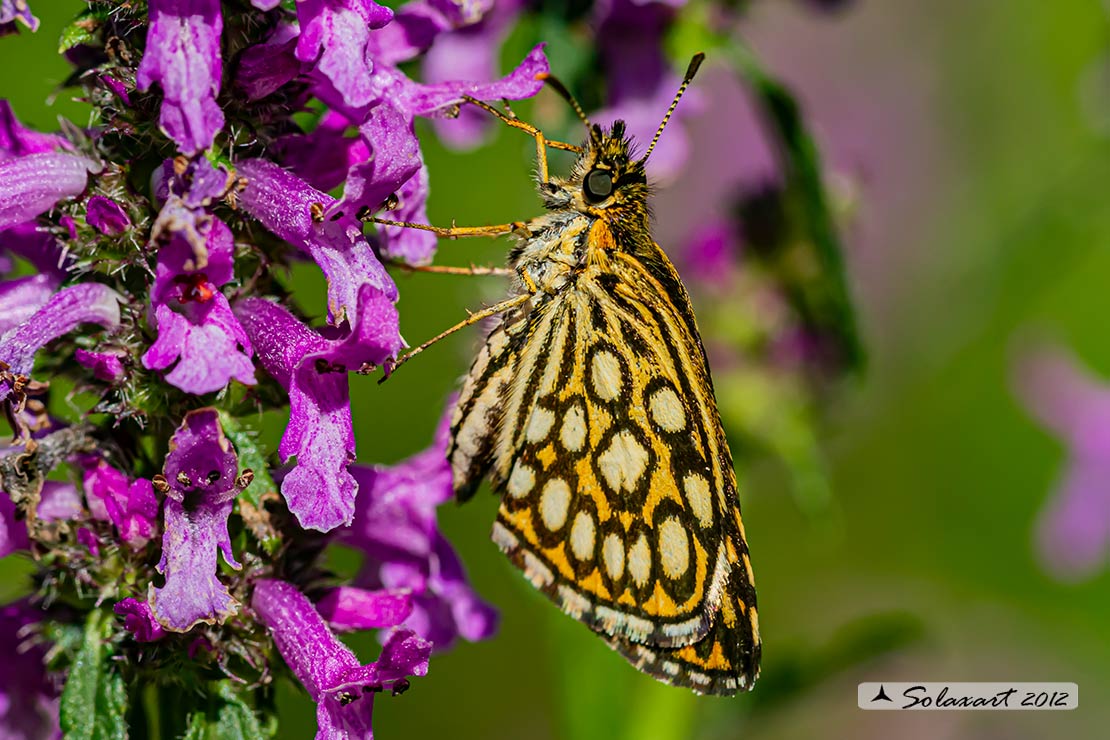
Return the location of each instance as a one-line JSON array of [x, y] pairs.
[[590, 410]]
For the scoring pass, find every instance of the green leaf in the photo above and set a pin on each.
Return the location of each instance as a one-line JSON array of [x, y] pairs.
[[251, 502], [94, 700], [227, 717], [83, 30]]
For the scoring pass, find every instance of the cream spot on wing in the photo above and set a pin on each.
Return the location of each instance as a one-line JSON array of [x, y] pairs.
[[666, 410], [554, 502], [540, 424], [639, 561], [521, 481], [674, 548], [699, 499], [623, 463], [573, 433], [605, 374], [612, 552], [582, 536]]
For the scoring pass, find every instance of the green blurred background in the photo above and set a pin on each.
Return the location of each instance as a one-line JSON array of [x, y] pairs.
[[974, 136]]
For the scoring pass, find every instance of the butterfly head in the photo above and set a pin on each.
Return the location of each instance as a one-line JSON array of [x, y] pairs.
[[607, 181], [605, 177]]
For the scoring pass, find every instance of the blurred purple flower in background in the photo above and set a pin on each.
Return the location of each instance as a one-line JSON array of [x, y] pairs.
[[1073, 531], [28, 700]]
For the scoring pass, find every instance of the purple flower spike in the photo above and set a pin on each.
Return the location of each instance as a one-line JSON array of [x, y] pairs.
[[284, 204], [201, 472], [348, 608], [106, 366], [15, 139], [28, 701], [342, 688], [31, 185], [395, 525], [68, 309], [183, 56], [338, 31], [107, 216], [139, 620], [131, 506], [1073, 534]]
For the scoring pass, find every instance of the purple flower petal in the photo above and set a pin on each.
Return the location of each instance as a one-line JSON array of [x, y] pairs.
[[15, 139], [190, 542], [28, 700], [68, 309], [13, 532], [86, 537], [331, 674], [131, 506], [59, 502], [347, 608], [201, 471], [323, 157], [31, 185], [196, 328], [138, 619], [284, 204], [183, 56], [438, 99], [37, 246], [338, 31], [202, 461], [395, 525], [106, 216], [20, 298], [106, 366], [265, 68], [394, 159], [414, 246], [313, 369]]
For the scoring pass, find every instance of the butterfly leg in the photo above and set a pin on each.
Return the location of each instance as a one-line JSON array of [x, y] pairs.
[[474, 318], [453, 232], [542, 142], [452, 269]]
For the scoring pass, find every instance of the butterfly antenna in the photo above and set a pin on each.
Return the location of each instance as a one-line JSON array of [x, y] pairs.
[[686, 79], [557, 85]]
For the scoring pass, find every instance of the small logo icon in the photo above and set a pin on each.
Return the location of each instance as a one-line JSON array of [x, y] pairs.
[[881, 696]]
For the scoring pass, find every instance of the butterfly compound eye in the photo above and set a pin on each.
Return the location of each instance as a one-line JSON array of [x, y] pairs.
[[598, 186]]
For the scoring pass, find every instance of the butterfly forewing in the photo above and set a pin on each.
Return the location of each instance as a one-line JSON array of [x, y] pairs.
[[593, 414]]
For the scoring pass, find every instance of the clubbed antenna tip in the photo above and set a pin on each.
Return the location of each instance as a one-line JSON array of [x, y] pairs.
[[691, 70]]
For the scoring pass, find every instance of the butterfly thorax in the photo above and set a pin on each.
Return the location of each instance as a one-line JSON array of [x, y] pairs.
[[600, 208]]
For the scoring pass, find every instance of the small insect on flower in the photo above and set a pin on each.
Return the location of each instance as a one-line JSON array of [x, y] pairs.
[[590, 409]]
